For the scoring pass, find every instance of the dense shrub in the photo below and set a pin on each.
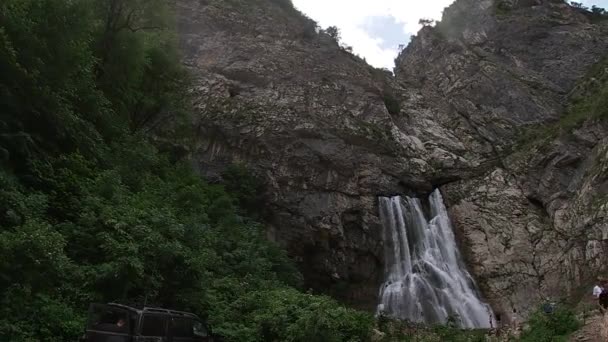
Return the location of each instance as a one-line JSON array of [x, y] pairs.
[[543, 327], [247, 189], [391, 102], [288, 315], [394, 330]]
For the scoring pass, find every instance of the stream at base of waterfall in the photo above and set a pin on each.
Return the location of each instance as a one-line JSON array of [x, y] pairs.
[[426, 280]]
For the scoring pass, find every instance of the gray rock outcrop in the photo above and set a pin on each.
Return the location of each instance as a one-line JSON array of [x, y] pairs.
[[531, 216], [327, 133]]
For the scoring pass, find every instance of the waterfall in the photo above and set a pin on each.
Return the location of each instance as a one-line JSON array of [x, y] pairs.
[[425, 278]]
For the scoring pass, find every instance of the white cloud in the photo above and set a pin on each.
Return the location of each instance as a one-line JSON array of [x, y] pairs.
[[351, 15]]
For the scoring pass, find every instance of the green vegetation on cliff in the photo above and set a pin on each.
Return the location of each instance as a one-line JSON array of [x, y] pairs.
[[588, 101], [92, 211]]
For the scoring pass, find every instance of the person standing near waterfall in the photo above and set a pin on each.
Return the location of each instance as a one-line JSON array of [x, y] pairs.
[[603, 298], [597, 291]]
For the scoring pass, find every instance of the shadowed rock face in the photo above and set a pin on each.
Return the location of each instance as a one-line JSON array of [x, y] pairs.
[[311, 120]]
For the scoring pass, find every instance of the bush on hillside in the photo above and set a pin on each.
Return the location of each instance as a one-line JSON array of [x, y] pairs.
[[288, 315], [557, 326], [391, 102]]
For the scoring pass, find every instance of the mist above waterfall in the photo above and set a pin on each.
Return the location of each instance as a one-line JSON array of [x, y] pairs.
[[425, 278]]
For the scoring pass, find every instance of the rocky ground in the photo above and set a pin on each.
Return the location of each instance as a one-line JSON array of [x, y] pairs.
[[604, 328], [595, 329]]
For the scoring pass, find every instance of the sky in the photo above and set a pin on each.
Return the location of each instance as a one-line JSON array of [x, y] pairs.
[[376, 28]]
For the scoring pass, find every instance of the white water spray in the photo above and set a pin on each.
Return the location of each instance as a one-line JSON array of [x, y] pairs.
[[425, 278]]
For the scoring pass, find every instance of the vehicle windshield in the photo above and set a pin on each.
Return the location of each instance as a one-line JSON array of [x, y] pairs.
[[107, 318], [187, 327]]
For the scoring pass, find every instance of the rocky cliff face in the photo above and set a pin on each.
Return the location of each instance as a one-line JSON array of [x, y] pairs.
[[532, 216], [328, 134], [309, 119]]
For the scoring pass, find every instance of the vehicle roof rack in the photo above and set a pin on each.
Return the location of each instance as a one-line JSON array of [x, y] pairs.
[[167, 311], [122, 306], [148, 309]]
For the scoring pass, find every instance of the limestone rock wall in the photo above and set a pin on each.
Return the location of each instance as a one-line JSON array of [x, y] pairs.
[[531, 216], [309, 119], [314, 123]]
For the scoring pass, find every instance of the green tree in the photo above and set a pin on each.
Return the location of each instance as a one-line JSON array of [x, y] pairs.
[[551, 327], [46, 79], [578, 5], [139, 69], [426, 22]]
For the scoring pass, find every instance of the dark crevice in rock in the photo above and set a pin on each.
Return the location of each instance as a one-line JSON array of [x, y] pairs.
[[538, 204], [441, 181]]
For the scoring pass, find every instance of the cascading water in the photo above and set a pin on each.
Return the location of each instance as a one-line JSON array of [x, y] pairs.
[[425, 277]]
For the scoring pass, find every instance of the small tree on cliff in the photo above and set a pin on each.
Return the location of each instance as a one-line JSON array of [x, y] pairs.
[[578, 5], [598, 13], [426, 22], [334, 33]]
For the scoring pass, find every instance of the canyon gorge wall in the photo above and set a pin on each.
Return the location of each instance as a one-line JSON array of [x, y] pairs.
[[327, 134]]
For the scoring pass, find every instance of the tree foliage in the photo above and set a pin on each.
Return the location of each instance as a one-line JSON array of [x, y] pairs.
[[92, 211], [390, 101], [426, 22], [595, 13], [334, 33]]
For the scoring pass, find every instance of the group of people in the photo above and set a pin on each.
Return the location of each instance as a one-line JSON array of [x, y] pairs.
[[600, 292]]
